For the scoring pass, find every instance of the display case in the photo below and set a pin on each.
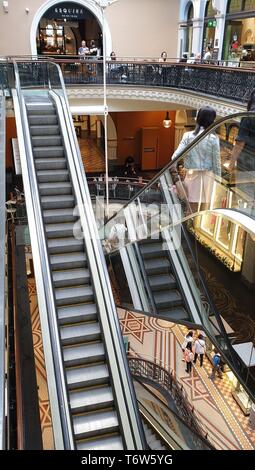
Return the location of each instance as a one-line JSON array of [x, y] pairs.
[[224, 238], [240, 395]]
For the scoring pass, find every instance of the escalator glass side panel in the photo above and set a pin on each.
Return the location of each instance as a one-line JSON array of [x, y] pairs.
[[194, 227]]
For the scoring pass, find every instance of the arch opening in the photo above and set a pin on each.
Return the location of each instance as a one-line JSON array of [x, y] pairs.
[[60, 27]]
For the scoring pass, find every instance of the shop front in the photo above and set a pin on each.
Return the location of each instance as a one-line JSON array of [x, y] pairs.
[[189, 31], [209, 27], [239, 36], [64, 26]]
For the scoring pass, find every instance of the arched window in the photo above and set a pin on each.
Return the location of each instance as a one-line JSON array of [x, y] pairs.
[[234, 6], [249, 5], [209, 10], [189, 30], [190, 14]]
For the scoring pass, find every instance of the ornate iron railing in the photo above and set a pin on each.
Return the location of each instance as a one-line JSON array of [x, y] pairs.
[[144, 369], [231, 83]]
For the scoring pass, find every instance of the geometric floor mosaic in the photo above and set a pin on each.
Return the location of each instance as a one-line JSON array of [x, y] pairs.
[[160, 341], [44, 404]]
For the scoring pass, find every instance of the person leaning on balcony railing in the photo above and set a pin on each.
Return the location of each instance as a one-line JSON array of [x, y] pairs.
[[201, 163], [243, 154], [207, 56]]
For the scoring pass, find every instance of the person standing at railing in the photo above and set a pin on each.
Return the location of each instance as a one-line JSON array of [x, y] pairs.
[[163, 56], [201, 164], [207, 56], [83, 50]]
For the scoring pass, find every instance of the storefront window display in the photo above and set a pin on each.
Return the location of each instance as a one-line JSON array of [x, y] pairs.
[[189, 30], [239, 37], [240, 394], [64, 26], [209, 26]]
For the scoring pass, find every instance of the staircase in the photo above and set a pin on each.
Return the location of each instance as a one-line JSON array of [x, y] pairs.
[[91, 400], [166, 294]]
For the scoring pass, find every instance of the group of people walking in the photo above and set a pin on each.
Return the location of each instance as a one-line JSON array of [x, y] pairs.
[[194, 348]]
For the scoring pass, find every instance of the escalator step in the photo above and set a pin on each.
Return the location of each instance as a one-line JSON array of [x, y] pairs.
[[46, 140], [162, 282], [175, 314], [58, 202], [72, 295], [64, 245], [84, 354], [59, 215], [86, 376], [109, 442], [80, 333], [71, 277], [77, 313], [95, 424], [167, 298], [93, 399], [39, 109], [44, 130], [50, 163], [59, 230], [50, 189], [157, 266], [68, 261], [47, 176], [52, 151], [47, 119]]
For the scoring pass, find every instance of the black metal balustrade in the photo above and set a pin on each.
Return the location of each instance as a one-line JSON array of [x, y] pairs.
[[144, 369], [230, 83]]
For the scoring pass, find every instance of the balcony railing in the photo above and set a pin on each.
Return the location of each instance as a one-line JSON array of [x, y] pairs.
[[144, 369], [215, 79]]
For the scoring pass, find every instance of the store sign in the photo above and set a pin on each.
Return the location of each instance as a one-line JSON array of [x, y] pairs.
[[211, 24], [66, 10]]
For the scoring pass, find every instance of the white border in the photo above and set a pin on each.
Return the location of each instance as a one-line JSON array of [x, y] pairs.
[[89, 4]]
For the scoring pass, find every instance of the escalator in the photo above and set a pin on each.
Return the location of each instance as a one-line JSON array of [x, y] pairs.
[[162, 279], [92, 400], [163, 254], [88, 381]]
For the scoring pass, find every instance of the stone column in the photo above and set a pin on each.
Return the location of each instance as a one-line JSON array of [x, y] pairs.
[[219, 34], [198, 25]]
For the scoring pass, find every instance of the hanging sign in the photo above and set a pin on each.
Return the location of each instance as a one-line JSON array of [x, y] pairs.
[[66, 10]]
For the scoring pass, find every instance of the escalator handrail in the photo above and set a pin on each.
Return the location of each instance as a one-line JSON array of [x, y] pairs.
[[62, 427], [214, 310], [144, 276], [2, 271], [100, 274], [173, 163]]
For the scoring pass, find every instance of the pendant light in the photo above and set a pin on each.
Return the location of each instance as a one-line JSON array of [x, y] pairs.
[[167, 121]]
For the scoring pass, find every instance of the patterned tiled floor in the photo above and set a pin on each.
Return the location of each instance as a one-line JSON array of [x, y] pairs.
[[92, 157], [44, 404], [160, 341]]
